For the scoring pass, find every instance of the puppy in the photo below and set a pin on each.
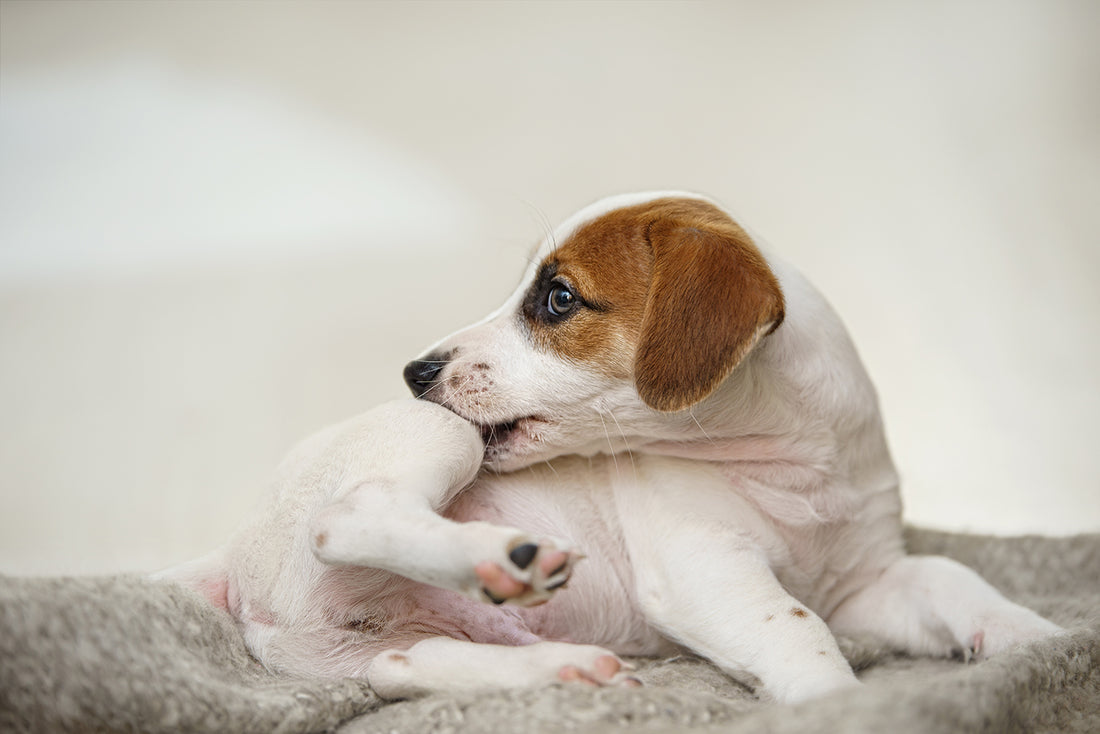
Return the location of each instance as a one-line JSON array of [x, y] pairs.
[[658, 397]]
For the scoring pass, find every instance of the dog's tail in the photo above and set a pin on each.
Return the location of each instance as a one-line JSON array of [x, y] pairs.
[[208, 575]]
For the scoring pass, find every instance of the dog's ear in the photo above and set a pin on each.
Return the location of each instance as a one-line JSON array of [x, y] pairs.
[[712, 298]]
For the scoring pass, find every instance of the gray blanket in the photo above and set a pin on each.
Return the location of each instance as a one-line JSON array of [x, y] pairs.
[[126, 654]]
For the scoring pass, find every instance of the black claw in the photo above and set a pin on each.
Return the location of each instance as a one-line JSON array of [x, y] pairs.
[[558, 570], [522, 555], [492, 598], [556, 585]]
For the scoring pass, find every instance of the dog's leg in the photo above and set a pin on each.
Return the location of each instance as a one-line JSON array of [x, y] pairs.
[[703, 581], [406, 461], [727, 606], [443, 664], [929, 605], [396, 529]]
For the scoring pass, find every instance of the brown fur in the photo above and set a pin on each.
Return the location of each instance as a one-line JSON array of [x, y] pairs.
[[680, 295]]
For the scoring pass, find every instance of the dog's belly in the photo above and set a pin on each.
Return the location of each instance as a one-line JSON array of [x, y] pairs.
[[599, 605]]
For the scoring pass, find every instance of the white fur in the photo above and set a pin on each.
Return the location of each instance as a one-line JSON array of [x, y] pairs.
[[742, 529]]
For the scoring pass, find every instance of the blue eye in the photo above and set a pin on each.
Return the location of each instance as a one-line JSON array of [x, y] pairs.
[[560, 300]]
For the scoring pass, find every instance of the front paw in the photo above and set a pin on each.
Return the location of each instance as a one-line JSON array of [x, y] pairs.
[[530, 576]]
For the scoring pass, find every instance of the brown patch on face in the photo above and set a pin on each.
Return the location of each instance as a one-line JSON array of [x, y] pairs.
[[672, 293], [799, 612], [607, 264]]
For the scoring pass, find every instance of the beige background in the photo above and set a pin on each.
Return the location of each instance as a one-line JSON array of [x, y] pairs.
[[223, 225]]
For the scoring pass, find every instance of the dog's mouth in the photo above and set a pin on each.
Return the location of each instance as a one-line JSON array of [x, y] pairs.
[[515, 437], [507, 438], [499, 434]]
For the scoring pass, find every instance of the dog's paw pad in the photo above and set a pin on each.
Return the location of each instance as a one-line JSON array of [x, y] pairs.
[[532, 575], [606, 670], [975, 648], [1001, 632], [496, 584], [522, 555]]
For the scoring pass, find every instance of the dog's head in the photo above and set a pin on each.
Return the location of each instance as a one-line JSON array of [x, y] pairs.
[[635, 309]]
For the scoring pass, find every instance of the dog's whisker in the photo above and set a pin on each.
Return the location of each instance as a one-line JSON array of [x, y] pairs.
[[622, 433], [543, 220], [492, 433], [440, 384], [544, 223], [455, 390], [705, 434], [610, 446]]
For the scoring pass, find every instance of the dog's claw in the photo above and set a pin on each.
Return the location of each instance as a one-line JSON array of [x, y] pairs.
[[489, 595]]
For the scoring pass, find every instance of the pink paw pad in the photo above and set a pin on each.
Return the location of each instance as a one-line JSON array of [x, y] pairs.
[[542, 569], [606, 670], [976, 643]]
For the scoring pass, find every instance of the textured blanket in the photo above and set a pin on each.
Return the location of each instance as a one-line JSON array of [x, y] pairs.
[[127, 654]]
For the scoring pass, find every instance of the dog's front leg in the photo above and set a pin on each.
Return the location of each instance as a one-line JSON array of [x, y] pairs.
[[400, 464], [706, 584]]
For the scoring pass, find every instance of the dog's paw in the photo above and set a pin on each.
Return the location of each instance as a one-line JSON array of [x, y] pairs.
[[442, 664], [1005, 630], [533, 572], [605, 670]]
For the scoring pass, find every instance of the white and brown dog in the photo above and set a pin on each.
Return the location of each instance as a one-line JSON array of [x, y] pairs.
[[659, 397]]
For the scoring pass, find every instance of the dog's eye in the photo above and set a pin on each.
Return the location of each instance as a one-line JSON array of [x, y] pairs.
[[560, 300]]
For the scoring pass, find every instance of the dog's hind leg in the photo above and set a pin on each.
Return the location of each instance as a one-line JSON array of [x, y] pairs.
[[443, 664], [929, 605], [408, 460]]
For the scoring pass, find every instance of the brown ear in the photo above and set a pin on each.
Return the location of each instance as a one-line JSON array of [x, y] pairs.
[[712, 297]]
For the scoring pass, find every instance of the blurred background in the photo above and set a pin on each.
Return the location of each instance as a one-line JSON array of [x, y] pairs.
[[225, 225]]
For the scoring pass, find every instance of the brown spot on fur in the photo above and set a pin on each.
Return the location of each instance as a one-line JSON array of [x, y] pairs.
[[320, 539], [369, 625], [769, 618], [678, 295], [799, 612]]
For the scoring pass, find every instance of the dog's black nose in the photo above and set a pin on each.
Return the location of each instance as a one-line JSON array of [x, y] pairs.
[[420, 374]]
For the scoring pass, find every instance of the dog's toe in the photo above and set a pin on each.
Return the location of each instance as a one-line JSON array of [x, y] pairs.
[[496, 584], [606, 670], [530, 576]]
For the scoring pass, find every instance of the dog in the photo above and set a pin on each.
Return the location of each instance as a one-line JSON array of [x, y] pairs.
[[659, 397]]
